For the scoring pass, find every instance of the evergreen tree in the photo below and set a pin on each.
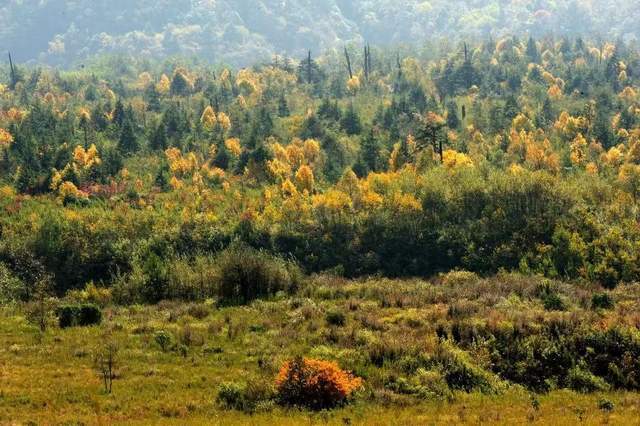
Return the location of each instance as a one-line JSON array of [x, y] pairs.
[[283, 108], [128, 142], [369, 159], [532, 51], [350, 122], [453, 122]]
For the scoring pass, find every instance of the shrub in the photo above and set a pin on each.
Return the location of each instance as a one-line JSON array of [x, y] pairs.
[[606, 405], [163, 339], [553, 302], [315, 384], [582, 380], [459, 372], [79, 315], [336, 318], [246, 274], [11, 287], [89, 315], [602, 301], [249, 397]]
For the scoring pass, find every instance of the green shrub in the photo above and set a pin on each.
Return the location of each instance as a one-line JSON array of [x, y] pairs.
[[163, 339], [553, 302], [79, 315], [459, 372], [336, 318], [582, 380], [11, 287], [246, 274], [602, 301], [89, 315], [249, 397]]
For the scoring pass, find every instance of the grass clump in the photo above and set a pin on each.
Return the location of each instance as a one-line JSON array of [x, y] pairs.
[[247, 274]]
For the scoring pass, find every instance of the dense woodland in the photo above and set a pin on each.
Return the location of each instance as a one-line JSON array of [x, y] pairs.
[[519, 155]]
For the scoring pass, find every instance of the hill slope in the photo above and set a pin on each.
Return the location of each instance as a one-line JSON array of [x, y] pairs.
[[240, 31]]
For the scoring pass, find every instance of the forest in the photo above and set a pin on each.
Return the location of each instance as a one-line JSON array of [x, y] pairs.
[[447, 225]]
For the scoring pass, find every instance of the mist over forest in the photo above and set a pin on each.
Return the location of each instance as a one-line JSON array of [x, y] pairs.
[[238, 32]]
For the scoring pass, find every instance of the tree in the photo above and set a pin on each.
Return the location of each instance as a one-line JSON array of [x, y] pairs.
[[351, 121], [128, 141], [283, 107], [180, 85], [453, 122], [105, 362], [369, 159], [532, 51]]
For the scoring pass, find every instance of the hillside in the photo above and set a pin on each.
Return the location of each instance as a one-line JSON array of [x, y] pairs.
[[238, 32]]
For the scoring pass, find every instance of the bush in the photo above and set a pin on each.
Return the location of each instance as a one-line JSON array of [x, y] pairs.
[[246, 397], [11, 287], [79, 315], [163, 339], [336, 318], [314, 384], [246, 274], [582, 380], [602, 301], [459, 372], [553, 302]]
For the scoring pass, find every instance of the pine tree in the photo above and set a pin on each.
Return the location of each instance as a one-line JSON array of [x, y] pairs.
[[369, 159], [128, 142], [350, 122], [453, 122], [283, 107], [532, 51]]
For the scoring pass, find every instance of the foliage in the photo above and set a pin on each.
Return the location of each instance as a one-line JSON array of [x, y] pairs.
[[314, 384]]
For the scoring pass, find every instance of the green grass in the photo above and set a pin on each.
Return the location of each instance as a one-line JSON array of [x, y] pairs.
[[51, 379]]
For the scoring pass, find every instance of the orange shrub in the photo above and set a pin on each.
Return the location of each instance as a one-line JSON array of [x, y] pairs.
[[315, 384]]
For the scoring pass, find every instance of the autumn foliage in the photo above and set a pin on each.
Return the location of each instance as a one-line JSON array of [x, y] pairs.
[[315, 384]]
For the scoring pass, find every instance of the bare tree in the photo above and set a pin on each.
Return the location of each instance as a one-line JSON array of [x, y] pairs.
[[105, 362], [42, 304]]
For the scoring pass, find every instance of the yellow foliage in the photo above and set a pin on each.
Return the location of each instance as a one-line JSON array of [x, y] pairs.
[[208, 118], [628, 94], [69, 190], [332, 202], [6, 138], [578, 150], [522, 122], [613, 157], [224, 121], [289, 189], [592, 168], [86, 159], [164, 85], [144, 80], [305, 179], [454, 160], [233, 145], [295, 154], [405, 203], [353, 84], [311, 150], [554, 92]]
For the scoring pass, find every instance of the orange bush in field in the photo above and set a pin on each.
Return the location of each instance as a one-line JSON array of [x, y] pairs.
[[315, 384]]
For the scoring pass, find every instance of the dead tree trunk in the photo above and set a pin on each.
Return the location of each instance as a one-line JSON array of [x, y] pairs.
[[346, 54]]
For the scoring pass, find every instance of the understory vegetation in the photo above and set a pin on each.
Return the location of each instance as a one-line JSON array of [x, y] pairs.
[[456, 340]]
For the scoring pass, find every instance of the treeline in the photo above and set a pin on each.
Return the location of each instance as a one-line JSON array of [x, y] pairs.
[[509, 154]]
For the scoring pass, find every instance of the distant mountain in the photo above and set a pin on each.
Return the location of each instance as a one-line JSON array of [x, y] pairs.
[[241, 31]]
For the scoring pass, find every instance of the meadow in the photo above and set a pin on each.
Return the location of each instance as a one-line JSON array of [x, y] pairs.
[[399, 336]]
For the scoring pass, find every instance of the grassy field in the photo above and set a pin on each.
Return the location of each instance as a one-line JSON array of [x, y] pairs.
[[374, 328]]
